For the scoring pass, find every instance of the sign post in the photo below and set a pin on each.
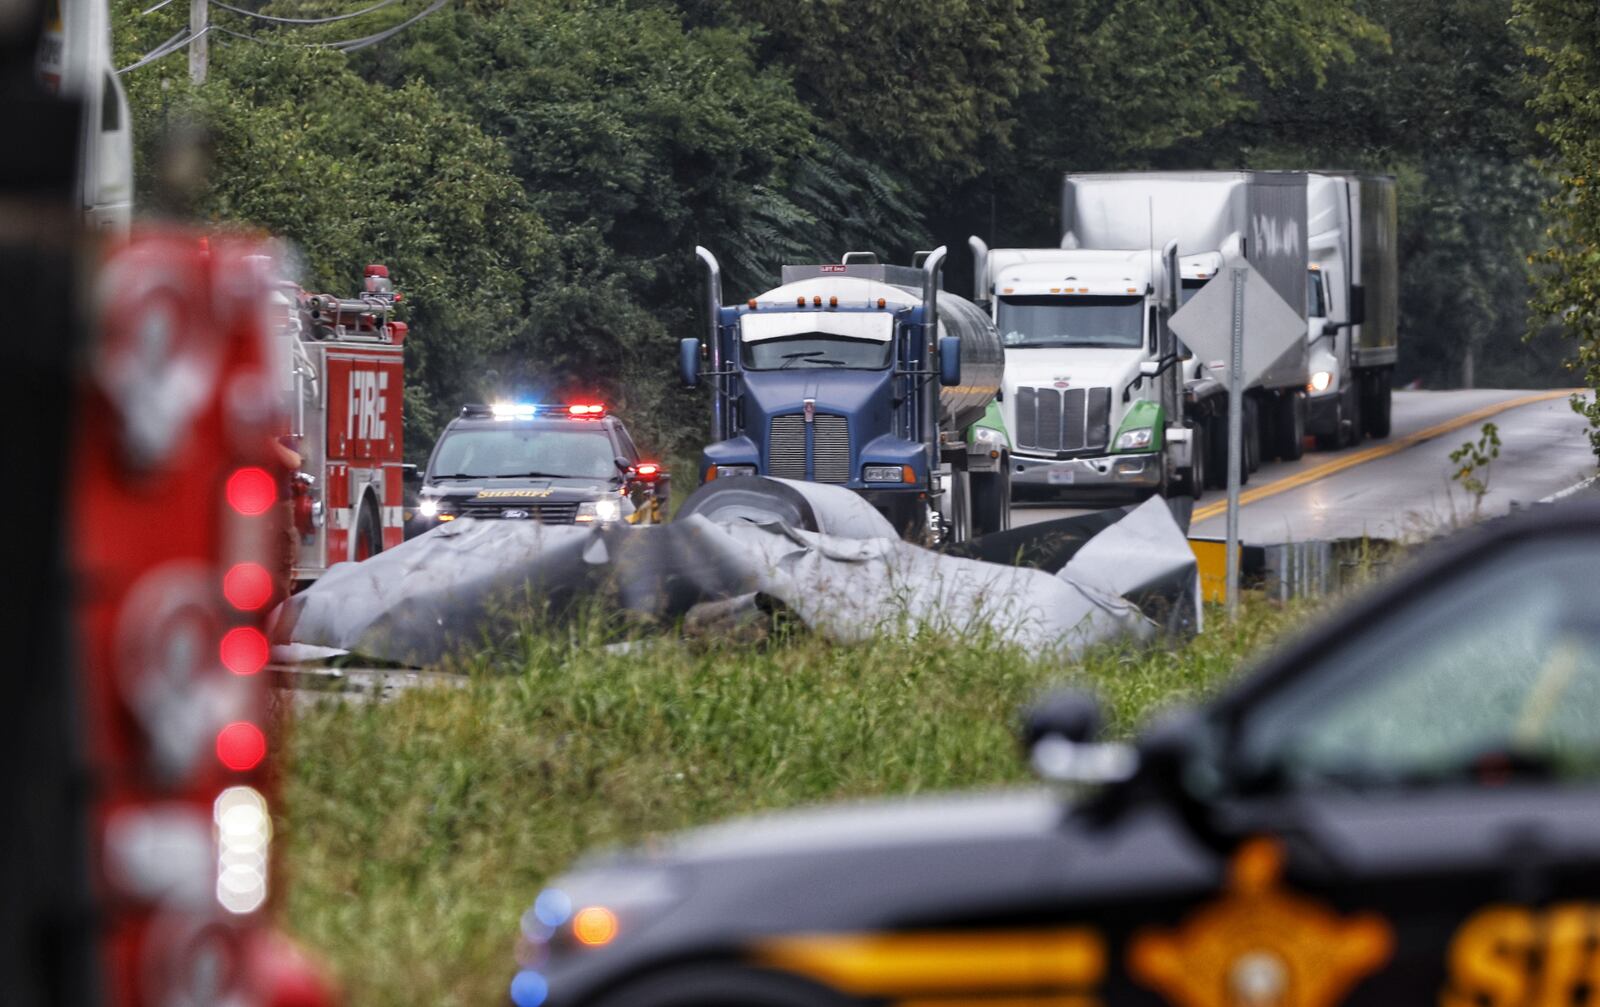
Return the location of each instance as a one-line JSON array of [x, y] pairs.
[[1214, 324], [1235, 437]]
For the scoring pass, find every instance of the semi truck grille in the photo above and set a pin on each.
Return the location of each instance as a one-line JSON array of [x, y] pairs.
[[830, 448], [1060, 421], [788, 458], [549, 513]]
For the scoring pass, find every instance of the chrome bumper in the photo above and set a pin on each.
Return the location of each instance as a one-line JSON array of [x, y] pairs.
[[1111, 472]]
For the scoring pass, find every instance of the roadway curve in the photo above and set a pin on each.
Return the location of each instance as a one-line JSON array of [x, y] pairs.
[[1400, 487]]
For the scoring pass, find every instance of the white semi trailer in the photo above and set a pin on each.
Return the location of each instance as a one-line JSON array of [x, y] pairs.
[[1353, 304], [1100, 398]]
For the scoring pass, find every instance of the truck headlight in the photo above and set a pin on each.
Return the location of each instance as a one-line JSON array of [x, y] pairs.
[[726, 471], [885, 473], [989, 437], [1132, 440], [604, 510], [1320, 381], [429, 507]]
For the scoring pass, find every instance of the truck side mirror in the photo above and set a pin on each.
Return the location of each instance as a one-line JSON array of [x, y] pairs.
[[689, 361], [1358, 304], [950, 360], [1149, 368], [410, 473]]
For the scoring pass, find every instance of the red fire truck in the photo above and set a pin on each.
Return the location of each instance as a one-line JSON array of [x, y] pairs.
[[175, 528], [345, 383]]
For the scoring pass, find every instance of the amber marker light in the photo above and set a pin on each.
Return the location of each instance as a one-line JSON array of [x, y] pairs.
[[595, 926]]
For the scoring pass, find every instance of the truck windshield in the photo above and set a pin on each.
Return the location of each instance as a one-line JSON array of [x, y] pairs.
[[777, 340], [816, 350], [1052, 321], [511, 451]]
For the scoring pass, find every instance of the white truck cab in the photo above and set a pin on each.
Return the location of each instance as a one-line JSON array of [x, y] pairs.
[[1093, 393]]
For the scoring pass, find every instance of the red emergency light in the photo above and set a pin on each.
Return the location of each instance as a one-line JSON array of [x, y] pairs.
[[647, 471], [586, 409], [241, 746]]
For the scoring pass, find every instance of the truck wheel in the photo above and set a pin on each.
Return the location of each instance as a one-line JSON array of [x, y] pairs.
[[721, 986], [1216, 439], [991, 499], [1194, 484], [1357, 418], [1291, 426], [1252, 440], [369, 533], [1379, 393]]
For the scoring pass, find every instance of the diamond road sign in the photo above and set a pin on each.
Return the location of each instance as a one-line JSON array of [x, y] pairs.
[[1272, 329]]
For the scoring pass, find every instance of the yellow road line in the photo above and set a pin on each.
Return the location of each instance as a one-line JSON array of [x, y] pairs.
[[1383, 450]]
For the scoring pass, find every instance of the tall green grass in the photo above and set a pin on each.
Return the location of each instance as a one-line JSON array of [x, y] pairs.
[[419, 830]]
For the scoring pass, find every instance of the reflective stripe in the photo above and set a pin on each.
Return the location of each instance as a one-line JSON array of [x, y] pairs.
[[392, 517], [341, 518]]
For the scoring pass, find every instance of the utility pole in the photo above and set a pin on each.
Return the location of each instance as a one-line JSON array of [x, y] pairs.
[[199, 15]]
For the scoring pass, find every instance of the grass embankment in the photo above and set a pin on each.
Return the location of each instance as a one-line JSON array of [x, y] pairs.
[[421, 829]]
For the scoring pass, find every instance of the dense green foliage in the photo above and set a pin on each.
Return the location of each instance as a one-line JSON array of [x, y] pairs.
[[537, 172], [419, 830], [1565, 39]]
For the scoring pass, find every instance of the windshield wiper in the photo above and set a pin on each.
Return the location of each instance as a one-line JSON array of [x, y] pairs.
[[541, 475], [461, 475], [790, 359]]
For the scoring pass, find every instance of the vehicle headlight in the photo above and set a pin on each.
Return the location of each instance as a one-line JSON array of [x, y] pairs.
[[727, 471], [604, 510], [1132, 440], [989, 436], [1320, 381], [589, 910], [883, 473], [429, 507]]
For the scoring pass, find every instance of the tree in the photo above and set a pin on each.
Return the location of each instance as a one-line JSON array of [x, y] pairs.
[[351, 172], [1564, 36]]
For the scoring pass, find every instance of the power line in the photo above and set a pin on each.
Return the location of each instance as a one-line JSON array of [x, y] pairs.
[[167, 48], [300, 20], [183, 37], [361, 43]]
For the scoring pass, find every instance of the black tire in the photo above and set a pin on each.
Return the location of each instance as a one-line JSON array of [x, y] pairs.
[[1199, 454], [1377, 409], [1252, 440], [991, 499], [1217, 445], [369, 533], [1357, 419], [721, 986], [1291, 426]]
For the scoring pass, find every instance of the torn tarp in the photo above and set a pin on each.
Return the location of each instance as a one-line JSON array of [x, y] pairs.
[[469, 582]]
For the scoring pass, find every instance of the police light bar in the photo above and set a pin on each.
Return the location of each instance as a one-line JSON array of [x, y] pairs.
[[529, 410]]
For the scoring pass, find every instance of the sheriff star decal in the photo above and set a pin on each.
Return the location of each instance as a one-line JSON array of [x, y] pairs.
[[1260, 945]]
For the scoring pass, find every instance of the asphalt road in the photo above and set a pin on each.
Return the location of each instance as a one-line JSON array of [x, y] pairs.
[[1401, 487]]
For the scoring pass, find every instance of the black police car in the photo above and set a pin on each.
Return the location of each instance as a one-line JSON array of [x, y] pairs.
[[1403, 807], [559, 464]]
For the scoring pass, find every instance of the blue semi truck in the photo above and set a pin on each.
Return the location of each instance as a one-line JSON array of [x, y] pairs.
[[863, 375]]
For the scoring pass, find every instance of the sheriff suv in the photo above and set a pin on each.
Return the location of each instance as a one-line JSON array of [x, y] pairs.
[[1400, 807], [558, 464]]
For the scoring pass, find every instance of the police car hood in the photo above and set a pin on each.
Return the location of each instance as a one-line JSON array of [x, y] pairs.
[[520, 489], [860, 865], [968, 817]]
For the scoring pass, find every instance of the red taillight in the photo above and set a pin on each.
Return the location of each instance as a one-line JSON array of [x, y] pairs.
[[241, 746], [586, 409], [647, 471], [252, 491], [247, 586], [244, 650]]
